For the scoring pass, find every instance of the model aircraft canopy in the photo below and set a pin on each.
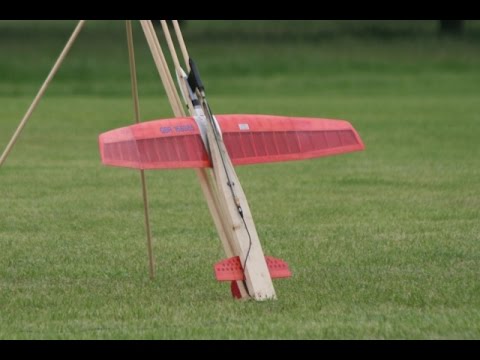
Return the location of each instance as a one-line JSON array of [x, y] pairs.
[[249, 139]]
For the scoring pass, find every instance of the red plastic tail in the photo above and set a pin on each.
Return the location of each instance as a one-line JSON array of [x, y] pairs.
[[231, 269]]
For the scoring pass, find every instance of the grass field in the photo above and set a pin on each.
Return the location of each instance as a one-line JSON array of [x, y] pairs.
[[383, 244]]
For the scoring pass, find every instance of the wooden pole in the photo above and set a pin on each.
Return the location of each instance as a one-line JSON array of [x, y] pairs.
[[171, 46], [224, 228], [181, 42], [246, 242], [162, 68], [136, 106], [41, 92]]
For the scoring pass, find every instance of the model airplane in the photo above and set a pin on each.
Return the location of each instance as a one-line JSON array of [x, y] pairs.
[[219, 142]]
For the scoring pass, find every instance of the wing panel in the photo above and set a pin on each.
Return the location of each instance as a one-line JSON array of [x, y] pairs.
[[160, 144], [279, 138], [249, 139]]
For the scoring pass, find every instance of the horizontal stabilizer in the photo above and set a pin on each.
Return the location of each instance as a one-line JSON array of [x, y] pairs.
[[249, 139], [232, 270]]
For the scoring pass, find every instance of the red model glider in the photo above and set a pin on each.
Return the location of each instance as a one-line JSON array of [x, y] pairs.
[[221, 142]]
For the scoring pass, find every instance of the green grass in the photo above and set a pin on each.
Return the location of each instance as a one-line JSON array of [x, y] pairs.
[[383, 244]]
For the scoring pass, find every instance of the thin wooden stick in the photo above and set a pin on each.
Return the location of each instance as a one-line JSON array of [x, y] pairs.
[[136, 106], [41, 92], [181, 42], [171, 46], [173, 53], [162, 68]]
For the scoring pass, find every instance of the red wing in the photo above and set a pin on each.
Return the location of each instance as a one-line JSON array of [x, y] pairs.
[[254, 139], [249, 139], [159, 144]]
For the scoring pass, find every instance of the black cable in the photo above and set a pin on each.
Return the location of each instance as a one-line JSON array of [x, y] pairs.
[[250, 244]]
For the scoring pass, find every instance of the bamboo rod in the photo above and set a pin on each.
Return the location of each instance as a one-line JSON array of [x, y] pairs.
[[162, 67], [41, 92], [176, 61], [136, 107], [171, 46], [181, 42]]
